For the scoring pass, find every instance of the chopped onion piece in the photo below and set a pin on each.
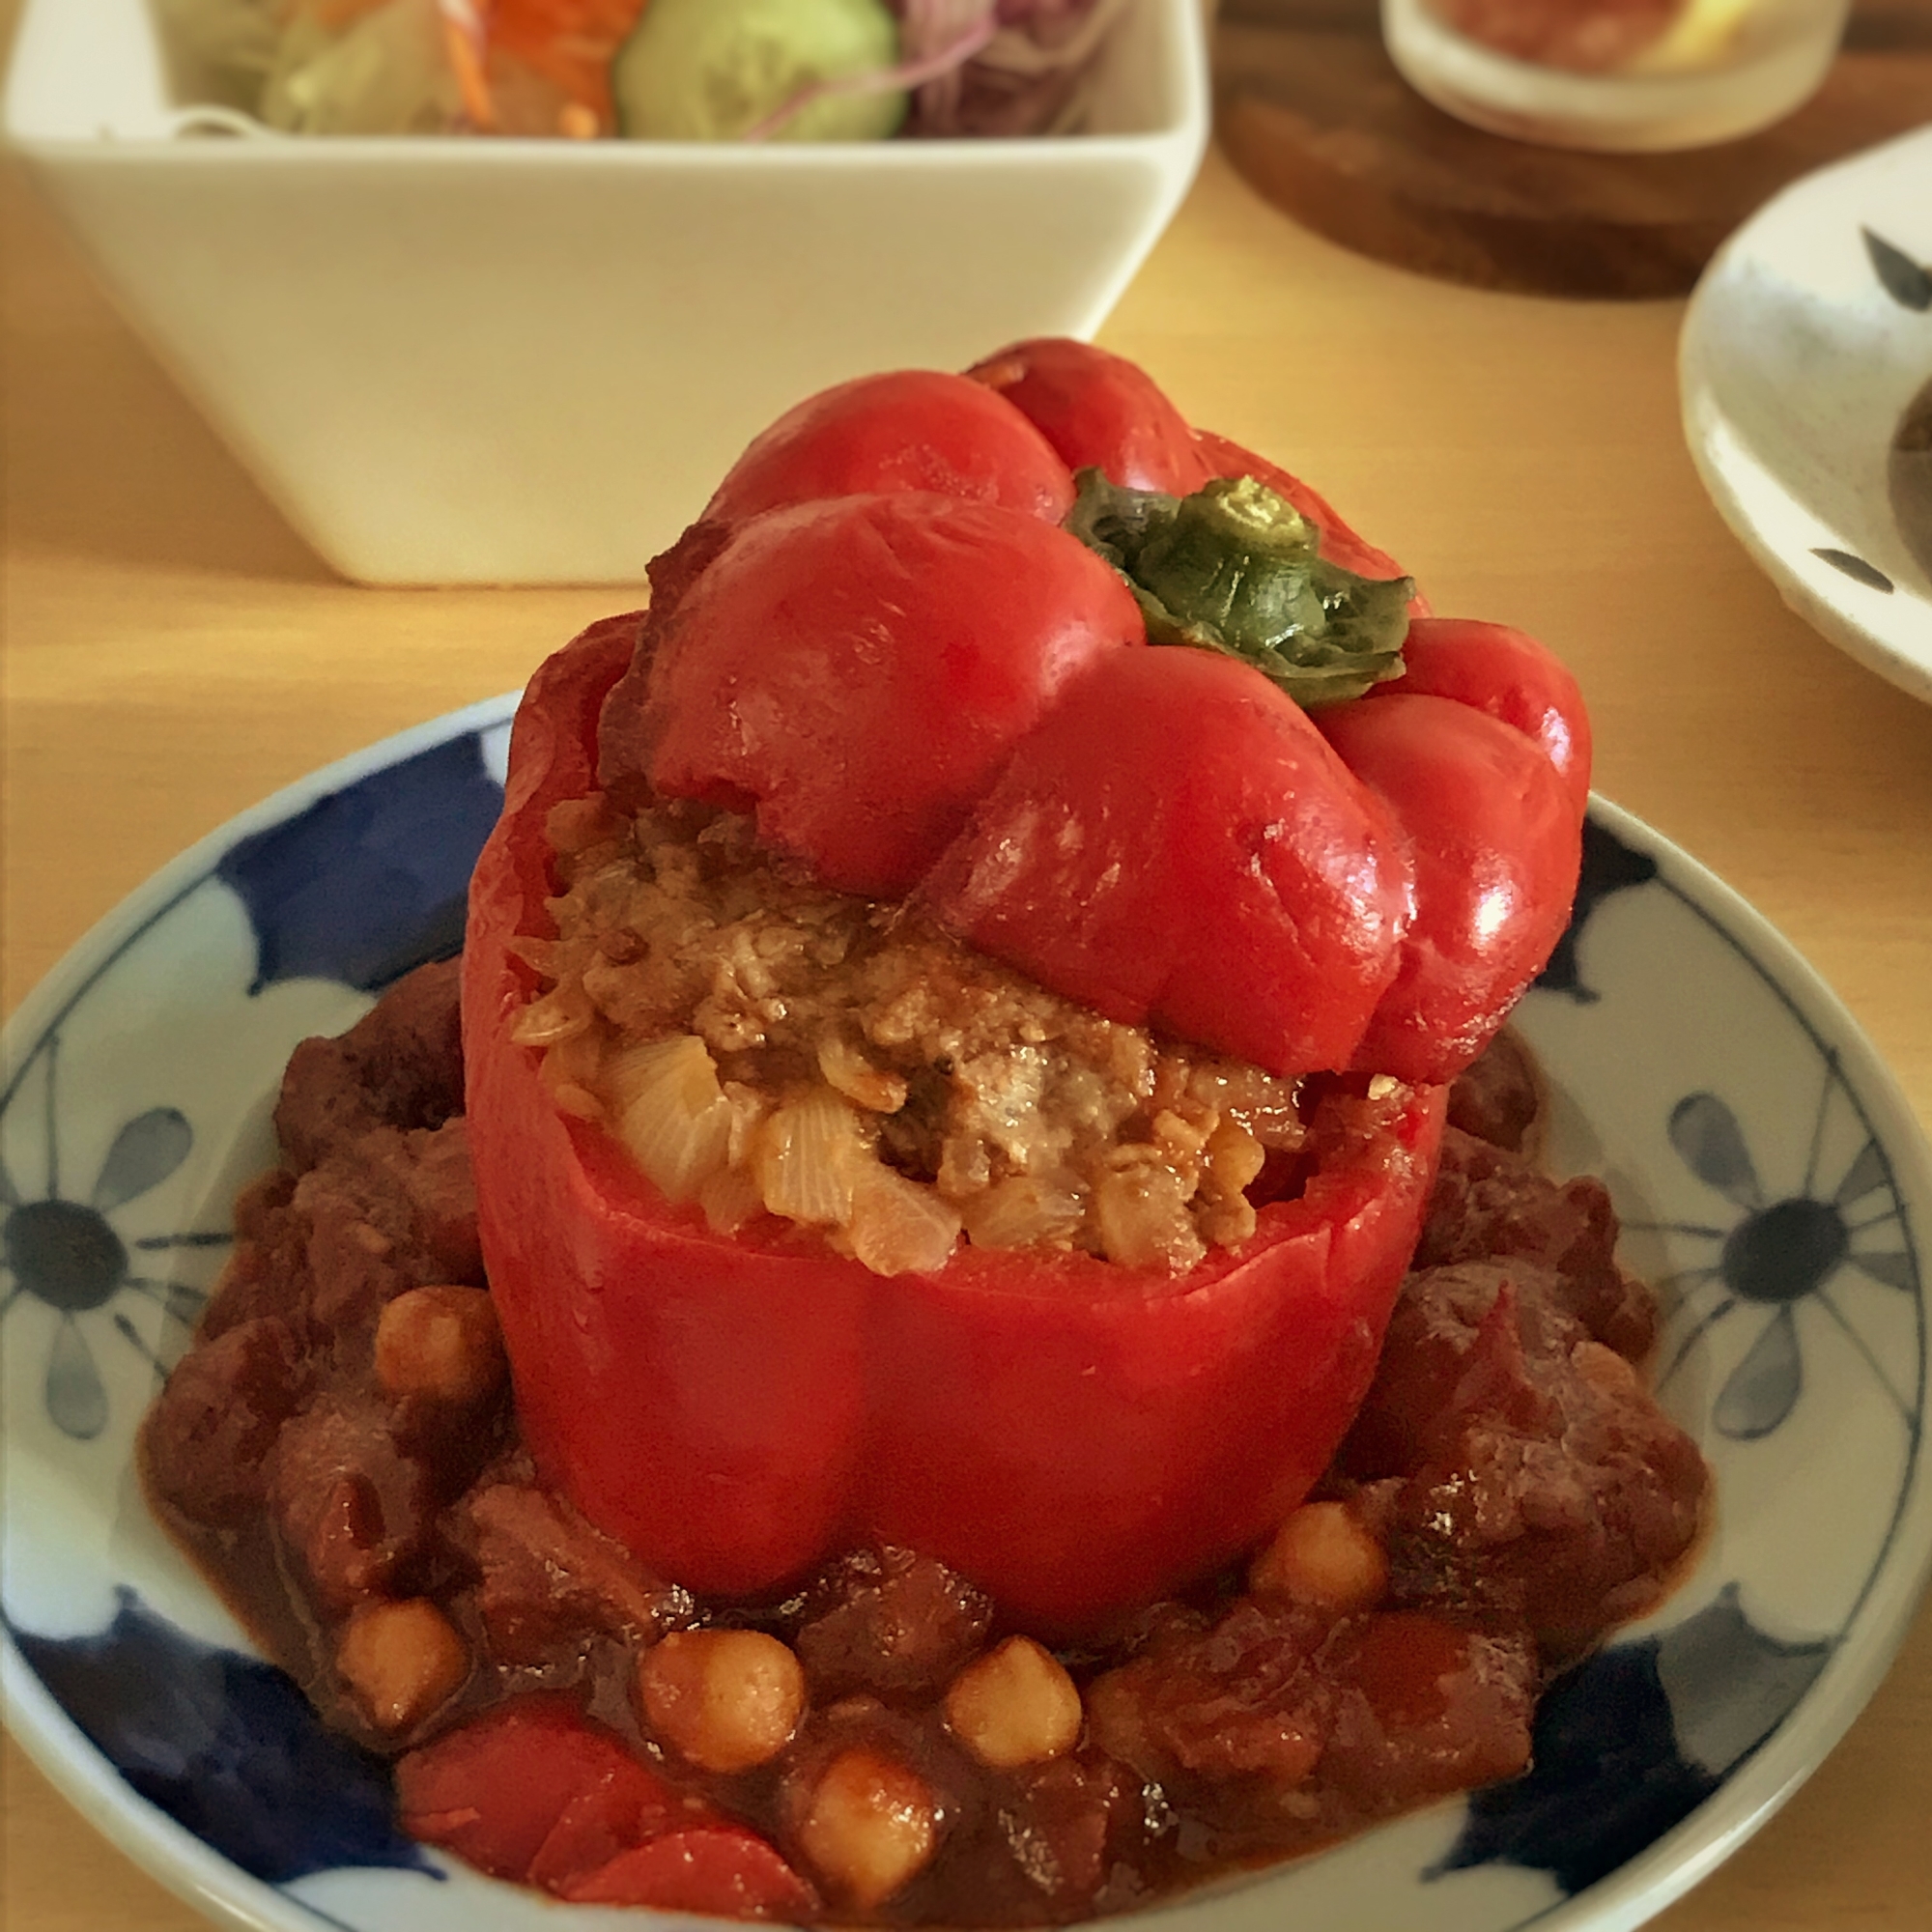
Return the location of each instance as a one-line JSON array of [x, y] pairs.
[[806, 1156], [850, 1072], [729, 1198], [577, 1101], [748, 1112], [898, 1227], [1142, 1218], [1020, 1212], [571, 1071], [671, 1113], [561, 1014]]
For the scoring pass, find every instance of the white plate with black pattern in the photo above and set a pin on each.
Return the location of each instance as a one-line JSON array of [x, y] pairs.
[[1806, 370], [1770, 1178]]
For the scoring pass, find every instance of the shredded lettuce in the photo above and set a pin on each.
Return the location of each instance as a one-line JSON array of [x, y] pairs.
[[386, 70]]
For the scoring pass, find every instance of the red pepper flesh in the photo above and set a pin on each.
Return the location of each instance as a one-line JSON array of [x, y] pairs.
[[1507, 674], [1099, 410], [857, 670], [913, 429], [1177, 845], [1073, 1436], [1495, 839], [722, 1870], [535, 1793], [497, 1791]]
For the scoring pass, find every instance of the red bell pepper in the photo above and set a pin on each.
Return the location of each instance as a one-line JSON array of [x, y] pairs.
[[1495, 843], [1074, 1435], [515, 1792], [923, 694], [932, 691], [1508, 675]]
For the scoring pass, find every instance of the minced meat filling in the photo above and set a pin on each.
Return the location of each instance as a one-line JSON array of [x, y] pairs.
[[764, 1045]]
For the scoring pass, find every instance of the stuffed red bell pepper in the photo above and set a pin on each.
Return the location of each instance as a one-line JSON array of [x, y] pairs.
[[942, 1071]]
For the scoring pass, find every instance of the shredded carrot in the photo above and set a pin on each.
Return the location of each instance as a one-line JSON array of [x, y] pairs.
[[570, 42], [466, 63]]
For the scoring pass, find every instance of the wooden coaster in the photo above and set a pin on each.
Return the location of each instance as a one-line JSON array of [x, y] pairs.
[[1310, 109]]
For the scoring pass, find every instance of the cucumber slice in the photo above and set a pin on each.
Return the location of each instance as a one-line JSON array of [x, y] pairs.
[[714, 69]]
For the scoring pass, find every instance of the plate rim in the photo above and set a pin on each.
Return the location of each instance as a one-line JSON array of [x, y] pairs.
[[1702, 417], [64, 984], [1864, 1651], [1672, 1864]]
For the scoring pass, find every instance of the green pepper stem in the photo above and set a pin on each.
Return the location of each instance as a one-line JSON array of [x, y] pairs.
[[1237, 568]]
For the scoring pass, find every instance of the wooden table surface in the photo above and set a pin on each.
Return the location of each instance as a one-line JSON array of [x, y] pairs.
[[173, 653]]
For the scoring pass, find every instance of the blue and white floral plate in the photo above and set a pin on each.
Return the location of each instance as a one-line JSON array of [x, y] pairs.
[[1806, 351], [1770, 1177]]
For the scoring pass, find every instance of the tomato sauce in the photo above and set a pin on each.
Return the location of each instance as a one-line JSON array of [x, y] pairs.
[[879, 1742]]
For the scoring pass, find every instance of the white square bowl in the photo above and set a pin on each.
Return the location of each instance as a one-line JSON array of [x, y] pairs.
[[485, 361]]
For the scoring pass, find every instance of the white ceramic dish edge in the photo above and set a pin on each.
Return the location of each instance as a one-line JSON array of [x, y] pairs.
[[527, 361], [1754, 323], [1751, 1799]]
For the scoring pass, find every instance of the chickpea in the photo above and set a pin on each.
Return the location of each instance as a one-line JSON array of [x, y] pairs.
[[1016, 1705], [726, 1699], [869, 1824], [400, 1660], [442, 1342], [1324, 1557]]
